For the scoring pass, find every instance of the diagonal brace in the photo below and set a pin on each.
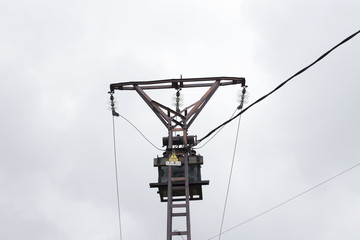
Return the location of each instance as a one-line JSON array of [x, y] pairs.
[[158, 112], [199, 105]]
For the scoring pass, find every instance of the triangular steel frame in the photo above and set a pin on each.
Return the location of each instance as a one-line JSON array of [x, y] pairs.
[[194, 109]]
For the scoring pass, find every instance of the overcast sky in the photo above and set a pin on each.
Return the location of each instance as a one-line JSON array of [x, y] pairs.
[[57, 59]]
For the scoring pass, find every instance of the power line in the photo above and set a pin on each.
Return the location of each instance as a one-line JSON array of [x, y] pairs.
[[243, 100], [116, 114], [282, 84], [232, 162], [288, 200], [216, 132], [230, 175], [116, 178], [140, 132]]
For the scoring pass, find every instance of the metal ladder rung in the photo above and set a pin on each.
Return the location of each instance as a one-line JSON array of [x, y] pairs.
[[178, 190], [177, 178], [178, 199], [179, 214], [178, 187], [179, 233], [179, 205]]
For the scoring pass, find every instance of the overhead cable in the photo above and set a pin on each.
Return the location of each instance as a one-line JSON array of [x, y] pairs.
[[116, 114], [281, 85], [116, 178], [140, 133], [215, 133], [288, 200], [232, 162]]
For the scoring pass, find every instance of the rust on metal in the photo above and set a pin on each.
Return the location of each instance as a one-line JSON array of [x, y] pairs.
[[176, 83]]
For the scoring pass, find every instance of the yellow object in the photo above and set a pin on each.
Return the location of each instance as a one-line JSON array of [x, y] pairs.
[[173, 158]]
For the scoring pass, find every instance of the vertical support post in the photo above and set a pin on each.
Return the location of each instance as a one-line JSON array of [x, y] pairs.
[[170, 204], [169, 199], [187, 200]]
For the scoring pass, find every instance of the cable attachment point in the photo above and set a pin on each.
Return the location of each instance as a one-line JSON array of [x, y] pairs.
[[243, 97], [112, 102], [177, 100]]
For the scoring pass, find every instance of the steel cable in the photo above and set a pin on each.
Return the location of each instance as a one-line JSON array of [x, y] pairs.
[[116, 178], [282, 84], [288, 200]]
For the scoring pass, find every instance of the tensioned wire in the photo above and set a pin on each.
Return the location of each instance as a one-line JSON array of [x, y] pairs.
[[116, 178], [139, 132], [215, 133], [281, 85], [288, 200], [233, 159], [230, 175]]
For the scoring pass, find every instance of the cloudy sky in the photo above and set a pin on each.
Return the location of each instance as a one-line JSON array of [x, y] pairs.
[[57, 59]]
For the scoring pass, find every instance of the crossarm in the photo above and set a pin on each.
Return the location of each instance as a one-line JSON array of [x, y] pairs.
[[177, 83]]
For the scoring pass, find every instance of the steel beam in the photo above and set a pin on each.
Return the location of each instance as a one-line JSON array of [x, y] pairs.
[[177, 83], [158, 112]]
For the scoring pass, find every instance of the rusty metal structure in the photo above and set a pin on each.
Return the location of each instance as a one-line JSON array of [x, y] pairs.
[[179, 178]]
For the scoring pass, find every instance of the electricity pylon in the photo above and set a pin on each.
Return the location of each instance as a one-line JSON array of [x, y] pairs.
[[179, 153]]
